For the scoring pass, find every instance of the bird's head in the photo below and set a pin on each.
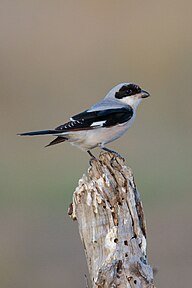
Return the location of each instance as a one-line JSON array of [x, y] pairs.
[[128, 93]]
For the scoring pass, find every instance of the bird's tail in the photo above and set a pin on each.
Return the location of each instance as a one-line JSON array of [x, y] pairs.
[[56, 141], [46, 132], [36, 133]]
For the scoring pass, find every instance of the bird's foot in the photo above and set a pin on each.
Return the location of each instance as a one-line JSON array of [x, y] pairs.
[[111, 151]]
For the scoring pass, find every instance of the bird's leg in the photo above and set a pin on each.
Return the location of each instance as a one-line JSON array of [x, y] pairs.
[[92, 156], [111, 151]]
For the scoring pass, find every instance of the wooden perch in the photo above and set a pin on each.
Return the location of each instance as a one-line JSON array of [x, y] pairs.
[[112, 227]]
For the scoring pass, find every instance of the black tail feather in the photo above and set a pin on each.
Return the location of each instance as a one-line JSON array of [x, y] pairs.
[[34, 133], [56, 141]]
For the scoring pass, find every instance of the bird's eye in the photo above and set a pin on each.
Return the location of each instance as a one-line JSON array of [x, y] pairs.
[[127, 90]]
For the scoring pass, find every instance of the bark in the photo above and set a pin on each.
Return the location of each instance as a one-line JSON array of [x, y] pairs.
[[112, 226]]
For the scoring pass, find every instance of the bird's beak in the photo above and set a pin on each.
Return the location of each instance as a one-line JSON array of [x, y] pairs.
[[144, 94]]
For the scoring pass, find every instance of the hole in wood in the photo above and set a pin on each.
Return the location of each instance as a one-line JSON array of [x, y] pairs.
[[119, 267], [126, 254], [135, 281], [116, 240], [126, 242], [143, 260]]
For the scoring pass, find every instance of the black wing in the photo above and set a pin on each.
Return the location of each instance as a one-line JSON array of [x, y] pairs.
[[96, 119]]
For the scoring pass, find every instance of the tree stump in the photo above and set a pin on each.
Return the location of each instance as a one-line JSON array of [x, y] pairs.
[[112, 226]]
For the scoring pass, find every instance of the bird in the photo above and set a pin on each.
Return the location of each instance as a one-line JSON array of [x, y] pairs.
[[102, 123]]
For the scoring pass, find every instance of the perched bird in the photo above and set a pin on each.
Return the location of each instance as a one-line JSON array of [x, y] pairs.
[[101, 124]]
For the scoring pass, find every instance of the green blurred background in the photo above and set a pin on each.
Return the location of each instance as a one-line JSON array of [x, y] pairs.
[[57, 59]]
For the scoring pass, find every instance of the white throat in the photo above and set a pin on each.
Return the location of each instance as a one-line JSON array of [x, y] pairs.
[[133, 101]]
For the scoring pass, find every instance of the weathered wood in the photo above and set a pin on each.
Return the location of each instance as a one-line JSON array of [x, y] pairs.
[[112, 227]]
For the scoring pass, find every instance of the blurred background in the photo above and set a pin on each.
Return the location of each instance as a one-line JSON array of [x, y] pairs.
[[56, 59]]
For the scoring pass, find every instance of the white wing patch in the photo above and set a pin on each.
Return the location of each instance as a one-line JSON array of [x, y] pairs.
[[98, 123]]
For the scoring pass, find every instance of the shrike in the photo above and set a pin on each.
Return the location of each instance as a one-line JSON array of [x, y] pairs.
[[101, 124]]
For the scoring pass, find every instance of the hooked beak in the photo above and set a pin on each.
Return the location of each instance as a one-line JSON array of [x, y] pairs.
[[144, 94]]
